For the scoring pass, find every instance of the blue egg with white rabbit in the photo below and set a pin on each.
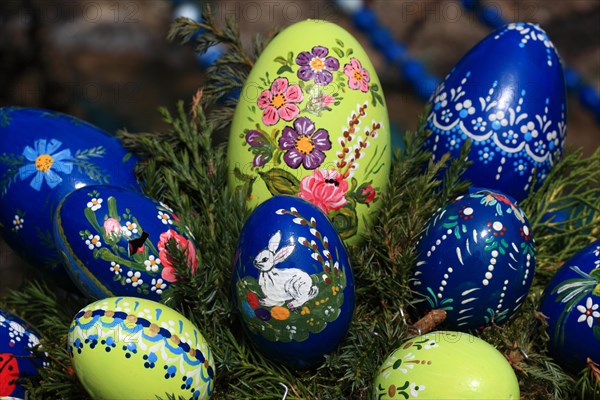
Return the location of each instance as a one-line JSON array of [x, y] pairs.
[[507, 96], [292, 282]]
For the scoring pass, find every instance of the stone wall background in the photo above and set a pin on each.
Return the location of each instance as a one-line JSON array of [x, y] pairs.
[[108, 61]]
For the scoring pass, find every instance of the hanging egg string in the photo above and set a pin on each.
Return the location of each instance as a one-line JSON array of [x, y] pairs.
[[588, 96], [423, 83]]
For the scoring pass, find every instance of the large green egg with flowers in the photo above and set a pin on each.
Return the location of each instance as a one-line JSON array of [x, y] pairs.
[[312, 122]]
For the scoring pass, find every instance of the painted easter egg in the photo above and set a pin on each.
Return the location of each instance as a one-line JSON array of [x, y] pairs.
[[44, 156], [476, 260], [114, 242], [571, 302], [446, 365], [292, 282], [132, 348], [17, 339], [312, 122], [507, 95]]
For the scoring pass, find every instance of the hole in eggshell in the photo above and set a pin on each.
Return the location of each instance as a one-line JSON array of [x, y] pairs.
[[137, 245]]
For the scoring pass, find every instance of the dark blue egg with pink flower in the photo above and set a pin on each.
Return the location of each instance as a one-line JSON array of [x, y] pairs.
[[115, 242], [476, 261], [17, 359], [44, 156], [292, 282], [571, 303], [507, 96]]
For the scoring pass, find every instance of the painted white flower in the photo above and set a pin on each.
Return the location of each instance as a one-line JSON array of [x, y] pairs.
[[588, 313], [33, 340], [415, 389], [95, 204], [116, 268], [18, 222], [93, 241], [164, 218], [441, 99], [134, 278], [152, 264], [498, 120], [158, 286], [597, 251], [15, 330], [465, 108], [430, 345], [129, 228]]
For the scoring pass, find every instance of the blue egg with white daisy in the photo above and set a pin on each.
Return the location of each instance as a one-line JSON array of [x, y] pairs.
[[571, 303], [115, 242], [507, 96], [44, 156]]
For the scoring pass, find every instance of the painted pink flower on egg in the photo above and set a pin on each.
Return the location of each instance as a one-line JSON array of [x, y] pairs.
[[112, 227], [325, 188], [280, 101], [168, 271], [358, 77]]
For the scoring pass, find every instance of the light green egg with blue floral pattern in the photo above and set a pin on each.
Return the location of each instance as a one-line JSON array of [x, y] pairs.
[[312, 122], [133, 348]]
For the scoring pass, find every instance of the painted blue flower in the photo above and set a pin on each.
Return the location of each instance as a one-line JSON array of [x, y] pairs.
[[45, 163], [171, 370], [520, 166], [150, 360], [485, 155]]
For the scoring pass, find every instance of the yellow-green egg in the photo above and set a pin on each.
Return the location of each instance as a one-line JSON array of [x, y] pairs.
[[312, 122], [133, 348], [446, 365]]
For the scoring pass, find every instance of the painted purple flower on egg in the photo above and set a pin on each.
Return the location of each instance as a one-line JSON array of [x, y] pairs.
[[315, 64], [260, 147], [304, 144]]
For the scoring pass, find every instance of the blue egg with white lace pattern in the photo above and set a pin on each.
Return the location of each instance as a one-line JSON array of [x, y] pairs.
[[571, 303], [44, 156], [507, 96]]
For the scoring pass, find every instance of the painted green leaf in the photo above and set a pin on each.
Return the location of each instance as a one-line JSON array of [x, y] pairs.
[[279, 181], [345, 221], [90, 215], [112, 208], [338, 51], [284, 68]]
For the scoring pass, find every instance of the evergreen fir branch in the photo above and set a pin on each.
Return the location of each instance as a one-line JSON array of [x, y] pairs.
[[227, 75], [588, 385], [571, 190]]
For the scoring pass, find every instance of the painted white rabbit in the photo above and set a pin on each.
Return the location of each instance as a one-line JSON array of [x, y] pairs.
[[280, 285]]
